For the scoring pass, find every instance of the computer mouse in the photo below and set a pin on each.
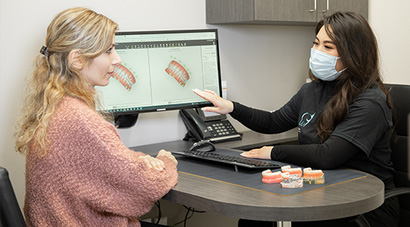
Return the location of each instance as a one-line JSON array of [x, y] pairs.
[[203, 145]]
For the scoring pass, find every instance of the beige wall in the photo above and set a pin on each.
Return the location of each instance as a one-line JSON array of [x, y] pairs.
[[391, 23], [257, 61]]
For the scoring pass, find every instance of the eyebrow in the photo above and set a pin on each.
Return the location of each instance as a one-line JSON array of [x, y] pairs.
[[326, 41]]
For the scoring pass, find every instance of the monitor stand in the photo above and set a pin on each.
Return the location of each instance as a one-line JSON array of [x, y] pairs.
[[125, 121]]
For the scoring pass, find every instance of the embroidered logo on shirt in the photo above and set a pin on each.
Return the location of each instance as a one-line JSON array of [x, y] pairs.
[[305, 119]]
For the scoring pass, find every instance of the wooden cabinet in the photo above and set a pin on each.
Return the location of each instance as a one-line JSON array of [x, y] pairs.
[[278, 11]]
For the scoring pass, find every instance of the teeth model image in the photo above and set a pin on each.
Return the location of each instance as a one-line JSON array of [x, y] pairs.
[[177, 71], [124, 76]]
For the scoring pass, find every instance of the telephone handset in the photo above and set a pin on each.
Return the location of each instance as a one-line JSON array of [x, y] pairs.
[[215, 128]]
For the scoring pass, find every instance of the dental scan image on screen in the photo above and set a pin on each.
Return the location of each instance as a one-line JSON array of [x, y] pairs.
[[159, 69]]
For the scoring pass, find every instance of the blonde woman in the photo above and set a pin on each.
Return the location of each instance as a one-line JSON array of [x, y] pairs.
[[78, 172]]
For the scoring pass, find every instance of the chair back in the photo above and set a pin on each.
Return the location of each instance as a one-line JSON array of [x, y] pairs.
[[10, 213], [400, 95]]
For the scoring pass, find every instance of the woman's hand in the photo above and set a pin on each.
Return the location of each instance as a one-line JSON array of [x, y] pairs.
[[221, 106], [153, 162], [261, 153], [168, 155]]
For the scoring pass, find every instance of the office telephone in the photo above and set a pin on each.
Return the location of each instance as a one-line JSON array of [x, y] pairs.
[[216, 128]]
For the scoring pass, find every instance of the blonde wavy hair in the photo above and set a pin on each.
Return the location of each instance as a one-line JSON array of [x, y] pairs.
[[53, 77]]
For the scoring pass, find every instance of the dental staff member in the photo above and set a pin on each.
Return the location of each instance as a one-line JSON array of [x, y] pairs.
[[344, 116]]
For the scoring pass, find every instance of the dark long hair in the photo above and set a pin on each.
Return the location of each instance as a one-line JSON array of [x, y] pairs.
[[357, 47]]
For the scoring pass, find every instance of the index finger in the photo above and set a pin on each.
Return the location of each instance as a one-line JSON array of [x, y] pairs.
[[210, 91], [204, 94]]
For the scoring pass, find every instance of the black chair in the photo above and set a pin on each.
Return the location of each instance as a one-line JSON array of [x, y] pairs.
[[400, 95], [10, 213]]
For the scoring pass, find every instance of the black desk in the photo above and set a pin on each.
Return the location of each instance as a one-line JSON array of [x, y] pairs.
[[336, 201], [249, 140]]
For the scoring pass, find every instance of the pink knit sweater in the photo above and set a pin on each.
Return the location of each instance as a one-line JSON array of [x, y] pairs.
[[89, 178]]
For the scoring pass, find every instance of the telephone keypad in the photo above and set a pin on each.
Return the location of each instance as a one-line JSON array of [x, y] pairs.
[[221, 128]]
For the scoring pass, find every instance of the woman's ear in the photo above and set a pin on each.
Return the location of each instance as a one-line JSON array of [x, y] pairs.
[[75, 60]]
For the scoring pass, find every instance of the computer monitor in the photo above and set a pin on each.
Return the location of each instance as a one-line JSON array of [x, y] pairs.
[[159, 69]]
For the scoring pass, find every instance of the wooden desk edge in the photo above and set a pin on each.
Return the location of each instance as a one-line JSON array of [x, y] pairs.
[[282, 211]]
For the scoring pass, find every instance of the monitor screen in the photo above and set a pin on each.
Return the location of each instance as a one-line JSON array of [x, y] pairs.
[[159, 69]]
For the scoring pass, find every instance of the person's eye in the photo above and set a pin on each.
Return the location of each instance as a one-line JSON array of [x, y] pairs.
[[109, 51], [329, 47], [315, 43]]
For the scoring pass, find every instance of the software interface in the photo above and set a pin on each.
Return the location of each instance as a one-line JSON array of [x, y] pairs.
[[159, 70]]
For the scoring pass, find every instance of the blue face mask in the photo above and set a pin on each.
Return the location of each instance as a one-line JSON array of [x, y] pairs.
[[323, 65]]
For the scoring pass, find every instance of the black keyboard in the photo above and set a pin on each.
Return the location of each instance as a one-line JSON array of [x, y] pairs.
[[228, 159]]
